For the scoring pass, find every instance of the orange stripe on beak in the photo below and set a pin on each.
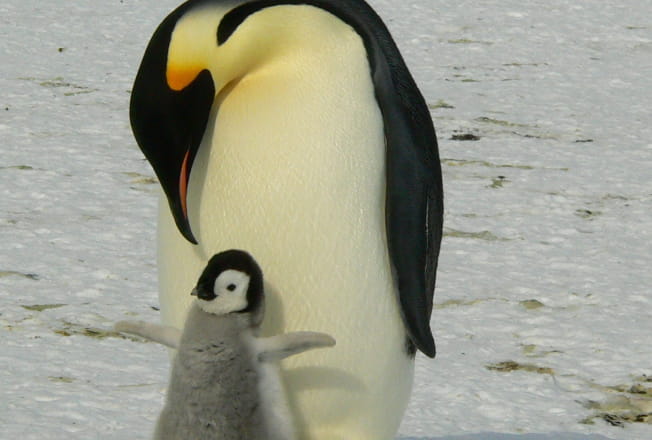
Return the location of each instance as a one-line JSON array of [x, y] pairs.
[[183, 185], [178, 78]]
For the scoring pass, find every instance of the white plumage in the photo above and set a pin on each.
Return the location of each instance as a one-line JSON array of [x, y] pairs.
[[291, 168]]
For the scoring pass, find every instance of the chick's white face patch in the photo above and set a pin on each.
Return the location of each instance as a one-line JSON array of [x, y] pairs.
[[231, 293]]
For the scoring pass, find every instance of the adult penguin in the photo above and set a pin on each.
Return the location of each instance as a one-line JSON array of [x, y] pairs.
[[293, 129]]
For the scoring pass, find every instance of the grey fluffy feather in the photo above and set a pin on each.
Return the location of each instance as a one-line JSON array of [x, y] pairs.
[[214, 390]]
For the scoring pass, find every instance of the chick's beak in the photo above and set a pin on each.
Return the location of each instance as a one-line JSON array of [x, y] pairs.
[[204, 294]]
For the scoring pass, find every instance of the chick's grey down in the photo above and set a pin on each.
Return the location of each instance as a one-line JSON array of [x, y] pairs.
[[213, 365]]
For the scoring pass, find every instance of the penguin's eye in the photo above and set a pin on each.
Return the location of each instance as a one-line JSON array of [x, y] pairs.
[[231, 282]]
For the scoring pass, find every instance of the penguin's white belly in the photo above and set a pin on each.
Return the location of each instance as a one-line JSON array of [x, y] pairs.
[[292, 170]]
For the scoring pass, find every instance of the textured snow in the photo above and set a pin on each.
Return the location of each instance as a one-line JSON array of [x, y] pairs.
[[544, 267]]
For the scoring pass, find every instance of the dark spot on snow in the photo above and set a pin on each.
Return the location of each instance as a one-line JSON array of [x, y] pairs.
[[533, 351], [613, 420], [29, 276], [17, 167], [61, 49], [73, 329], [460, 303], [138, 178], [509, 366], [484, 163], [465, 137], [468, 41], [525, 64], [583, 141], [498, 182], [59, 83], [532, 304], [42, 307], [527, 135], [627, 403], [620, 419], [61, 379], [500, 122], [440, 104], [614, 197], [481, 235], [587, 214]]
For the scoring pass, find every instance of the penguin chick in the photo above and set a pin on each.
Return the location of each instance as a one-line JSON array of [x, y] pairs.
[[225, 381]]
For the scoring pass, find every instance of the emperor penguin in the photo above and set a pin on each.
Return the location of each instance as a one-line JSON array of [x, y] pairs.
[[293, 129], [225, 381]]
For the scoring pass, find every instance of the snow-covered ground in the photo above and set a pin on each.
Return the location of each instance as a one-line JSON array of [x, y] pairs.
[[543, 307]]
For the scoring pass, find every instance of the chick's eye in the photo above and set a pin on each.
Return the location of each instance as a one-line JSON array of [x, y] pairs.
[[231, 282]]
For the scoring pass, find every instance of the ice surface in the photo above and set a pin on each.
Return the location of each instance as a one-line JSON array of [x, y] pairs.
[[543, 305]]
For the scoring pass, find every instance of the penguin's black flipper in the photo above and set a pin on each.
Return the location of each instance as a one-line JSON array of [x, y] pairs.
[[414, 211], [414, 206]]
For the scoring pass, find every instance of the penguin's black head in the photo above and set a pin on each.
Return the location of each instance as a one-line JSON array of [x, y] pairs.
[[232, 282]]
